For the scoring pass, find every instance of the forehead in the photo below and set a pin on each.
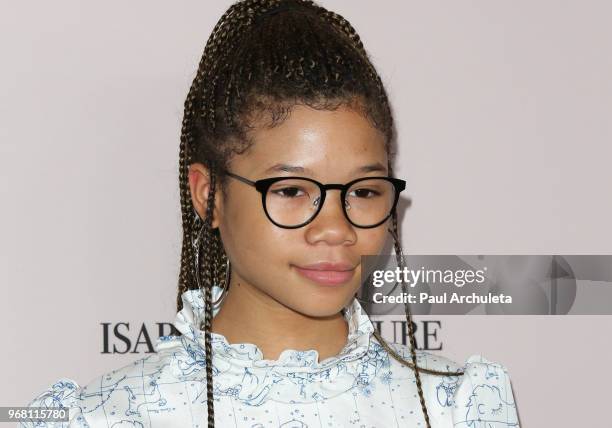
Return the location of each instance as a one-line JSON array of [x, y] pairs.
[[322, 143]]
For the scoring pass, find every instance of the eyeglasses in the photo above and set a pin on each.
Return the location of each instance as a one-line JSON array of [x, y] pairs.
[[292, 202]]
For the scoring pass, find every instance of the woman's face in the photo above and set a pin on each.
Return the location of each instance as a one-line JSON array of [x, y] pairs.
[[331, 147]]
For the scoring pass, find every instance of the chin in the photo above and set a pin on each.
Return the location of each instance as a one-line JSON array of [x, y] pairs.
[[324, 304]]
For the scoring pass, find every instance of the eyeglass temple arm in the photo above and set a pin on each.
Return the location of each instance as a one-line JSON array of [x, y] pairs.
[[244, 180]]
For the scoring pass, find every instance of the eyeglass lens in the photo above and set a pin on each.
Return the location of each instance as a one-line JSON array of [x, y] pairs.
[[292, 202]]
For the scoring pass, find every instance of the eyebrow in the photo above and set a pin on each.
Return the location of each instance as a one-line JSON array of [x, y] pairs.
[[282, 167]]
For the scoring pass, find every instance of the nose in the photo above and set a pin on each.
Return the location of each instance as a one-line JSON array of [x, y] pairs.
[[331, 225]]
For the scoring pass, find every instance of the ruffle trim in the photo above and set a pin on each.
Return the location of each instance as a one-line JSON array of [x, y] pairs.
[[239, 369], [189, 319]]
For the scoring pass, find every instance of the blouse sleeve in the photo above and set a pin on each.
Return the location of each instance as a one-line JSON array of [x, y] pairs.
[[484, 396], [62, 394]]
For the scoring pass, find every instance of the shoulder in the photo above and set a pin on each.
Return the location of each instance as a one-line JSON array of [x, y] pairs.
[[484, 393], [115, 394], [426, 360], [481, 393], [60, 394]]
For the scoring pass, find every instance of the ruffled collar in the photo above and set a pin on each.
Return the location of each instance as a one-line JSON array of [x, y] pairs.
[[192, 315], [296, 376]]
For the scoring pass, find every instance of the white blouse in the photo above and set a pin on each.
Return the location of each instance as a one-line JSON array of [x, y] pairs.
[[361, 387]]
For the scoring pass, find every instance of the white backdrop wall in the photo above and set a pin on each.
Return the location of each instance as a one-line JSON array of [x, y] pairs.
[[503, 116]]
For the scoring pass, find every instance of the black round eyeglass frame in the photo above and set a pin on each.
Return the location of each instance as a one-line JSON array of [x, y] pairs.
[[263, 185]]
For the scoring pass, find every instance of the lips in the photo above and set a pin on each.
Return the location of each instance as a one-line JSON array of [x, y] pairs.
[[327, 273], [329, 266]]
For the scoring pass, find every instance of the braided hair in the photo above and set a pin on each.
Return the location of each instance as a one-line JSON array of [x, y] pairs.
[[263, 57]]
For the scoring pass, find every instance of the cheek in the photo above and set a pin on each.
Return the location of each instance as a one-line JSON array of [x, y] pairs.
[[251, 235], [372, 241]]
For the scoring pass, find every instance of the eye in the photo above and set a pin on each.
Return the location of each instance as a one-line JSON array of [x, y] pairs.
[[365, 193], [287, 192]]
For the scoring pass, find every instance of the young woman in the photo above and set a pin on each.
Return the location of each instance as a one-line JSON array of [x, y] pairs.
[[286, 180]]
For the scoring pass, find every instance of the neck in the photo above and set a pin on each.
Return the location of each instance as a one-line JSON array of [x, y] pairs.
[[248, 315]]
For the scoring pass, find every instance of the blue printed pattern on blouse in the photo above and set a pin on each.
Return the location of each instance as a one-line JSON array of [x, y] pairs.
[[360, 387]]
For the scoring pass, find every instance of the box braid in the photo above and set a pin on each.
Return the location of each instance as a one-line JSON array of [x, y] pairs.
[[266, 56]]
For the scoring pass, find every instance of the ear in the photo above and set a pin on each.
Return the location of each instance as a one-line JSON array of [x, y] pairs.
[[199, 185]]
